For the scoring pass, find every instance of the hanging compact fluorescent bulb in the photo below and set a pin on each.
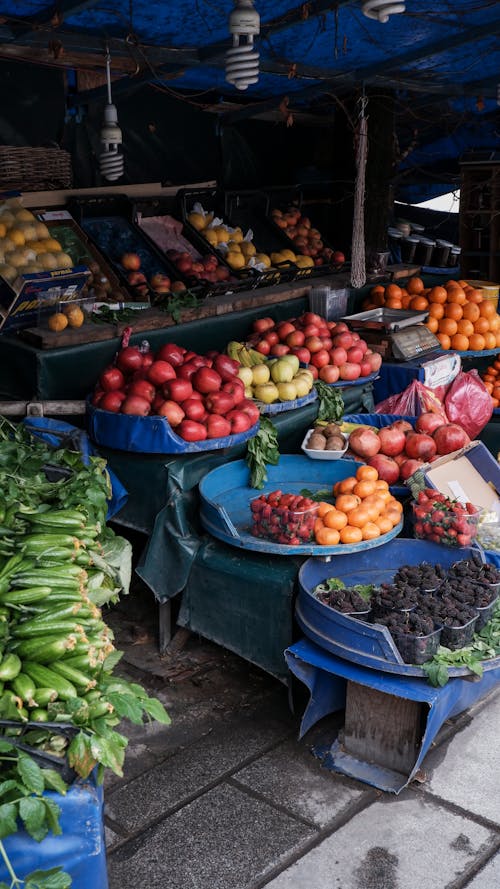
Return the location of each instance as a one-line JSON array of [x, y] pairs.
[[111, 159], [242, 61], [380, 10]]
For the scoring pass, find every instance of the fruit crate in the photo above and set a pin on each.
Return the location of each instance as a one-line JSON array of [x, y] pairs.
[[212, 201], [109, 224], [249, 210], [283, 199], [197, 246]]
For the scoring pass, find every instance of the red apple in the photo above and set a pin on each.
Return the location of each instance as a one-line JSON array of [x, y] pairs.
[[194, 409], [349, 371], [279, 350], [271, 337], [171, 353], [240, 421], [236, 389], [172, 411], [296, 339], [192, 431], [143, 388], [329, 374], [283, 329], [355, 354], [134, 404], [262, 324], [160, 283], [313, 343], [112, 401], [263, 347], [218, 426], [219, 403], [206, 380], [302, 354], [131, 261], [343, 339], [320, 359], [338, 356], [178, 390], [160, 372]]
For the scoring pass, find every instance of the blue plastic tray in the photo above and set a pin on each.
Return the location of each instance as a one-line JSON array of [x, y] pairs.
[[369, 645], [344, 384], [150, 435], [226, 495], [278, 407], [470, 353]]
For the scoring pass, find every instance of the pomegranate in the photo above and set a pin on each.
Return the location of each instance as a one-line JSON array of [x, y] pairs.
[[450, 437], [420, 446], [408, 468], [428, 422], [404, 425], [392, 441], [387, 468], [364, 442]]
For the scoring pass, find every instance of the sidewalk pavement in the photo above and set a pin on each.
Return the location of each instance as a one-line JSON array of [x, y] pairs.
[[226, 797]]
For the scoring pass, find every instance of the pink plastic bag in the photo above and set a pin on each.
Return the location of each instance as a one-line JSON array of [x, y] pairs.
[[416, 399], [468, 402]]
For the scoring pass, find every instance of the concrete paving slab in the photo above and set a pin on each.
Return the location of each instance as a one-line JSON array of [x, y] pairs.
[[223, 840], [291, 776], [462, 770], [489, 877], [188, 772], [398, 843]]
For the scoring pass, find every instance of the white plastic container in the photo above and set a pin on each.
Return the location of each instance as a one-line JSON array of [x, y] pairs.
[[322, 455]]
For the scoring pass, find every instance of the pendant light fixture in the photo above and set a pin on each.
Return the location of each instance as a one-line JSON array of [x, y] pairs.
[[111, 160], [242, 60]]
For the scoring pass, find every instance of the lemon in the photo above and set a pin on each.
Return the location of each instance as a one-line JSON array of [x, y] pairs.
[[24, 215], [235, 260], [74, 315], [58, 321], [211, 237], [41, 230], [263, 258], [288, 255], [7, 217], [304, 262], [47, 261], [52, 245], [197, 220], [8, 272], [222, 234], [16, 236], [63, 261], [234, 247], [248, 249], [237, 235]]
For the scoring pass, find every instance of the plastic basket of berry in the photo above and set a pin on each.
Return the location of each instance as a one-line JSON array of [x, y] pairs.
[[347, 600], [414, 634]]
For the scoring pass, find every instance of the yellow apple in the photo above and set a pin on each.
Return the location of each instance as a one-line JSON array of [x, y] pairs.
[[282, 372], [302, 386], [267, 393], [287, 391], [246, 376], [260, 374]]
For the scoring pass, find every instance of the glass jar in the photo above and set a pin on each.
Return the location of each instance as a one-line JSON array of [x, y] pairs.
[[408, 248], [424, 250], [441, 254], [454, 257]]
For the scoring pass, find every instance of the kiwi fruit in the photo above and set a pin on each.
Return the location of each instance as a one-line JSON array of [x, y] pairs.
[[316, 442], [332, 429], [335, 443]]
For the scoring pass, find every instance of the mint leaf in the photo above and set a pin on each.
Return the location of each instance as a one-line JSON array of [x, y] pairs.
[[7, 786], [127, 707], [52, 814], [156, 710], [8, 819], [53, 781], [54, 878]]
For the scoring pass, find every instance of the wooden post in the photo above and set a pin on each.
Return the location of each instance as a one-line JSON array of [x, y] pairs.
[[381, 728]]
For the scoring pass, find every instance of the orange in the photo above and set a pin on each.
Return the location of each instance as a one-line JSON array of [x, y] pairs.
[[475, 296], [378, 300], [327, 537], [385, 496], [393, 303], [406, 300], [393, 290], [323, 508], [494, 324], [460, 342], [381, 485], [419, 304], [393, 515], [318, 525], [436, 310], [498, 340], [335, 519], [395, 504], [465, 327], [457, 295], [350, 534], [376, 501], [495, 402], [496, 392], [471, 312], [437, 295], [481, 325], [448, 326], [490, 340], [358, 517], [487, 309], [377, 290], [487, 386], [364, 488], [415, 285], [370, 531], [346, 502], [453, 311], [366, 473], [346, 486], [432, 324], [58, 321], [384, 524], [372, 510], [444, 340]]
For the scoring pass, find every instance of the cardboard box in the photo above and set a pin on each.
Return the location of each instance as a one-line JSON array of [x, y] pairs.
[[32, 296], [471, 474]]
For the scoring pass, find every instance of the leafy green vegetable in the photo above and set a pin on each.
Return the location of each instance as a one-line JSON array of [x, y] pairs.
[[262, 450], [330, 402], [365, 590], [175, 305], [318, 496], [485, 644]]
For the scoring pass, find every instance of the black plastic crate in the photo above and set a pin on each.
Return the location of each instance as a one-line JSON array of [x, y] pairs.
[[109, 223], [169, 206], [17, 734]]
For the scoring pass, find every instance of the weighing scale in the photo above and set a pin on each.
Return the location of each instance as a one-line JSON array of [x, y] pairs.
[[395, 333]]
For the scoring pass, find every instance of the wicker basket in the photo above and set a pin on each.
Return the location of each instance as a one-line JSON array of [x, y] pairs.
[[34, 169]]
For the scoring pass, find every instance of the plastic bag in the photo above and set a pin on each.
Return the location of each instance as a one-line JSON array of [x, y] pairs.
[[468, 402], [416, 399]]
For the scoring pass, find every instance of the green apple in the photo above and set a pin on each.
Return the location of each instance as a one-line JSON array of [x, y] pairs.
[[287, 391], [246, 376], [267, 393], [282, 372], [302, 385], [260, 374], [293, 360]]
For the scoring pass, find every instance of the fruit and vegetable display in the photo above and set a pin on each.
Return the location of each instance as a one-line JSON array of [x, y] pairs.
[[442, 520], [400, 449], [26, 246], [458, 314], [143, 284], [361, 508], [200, 396], [424, 606], [491, 380], [328, 348], [59, 566], [306, 239]]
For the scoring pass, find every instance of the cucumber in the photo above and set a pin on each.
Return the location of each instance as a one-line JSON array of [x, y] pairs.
[[44, 696], [77, 677], [46, 650], [46, 678], [24, 687], [32, 628], [10, 667], [26, 596], [39, 715]]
